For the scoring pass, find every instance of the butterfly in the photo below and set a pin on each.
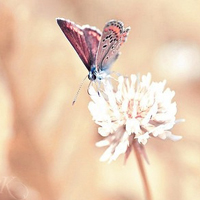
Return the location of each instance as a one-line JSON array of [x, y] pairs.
[[96, 50]]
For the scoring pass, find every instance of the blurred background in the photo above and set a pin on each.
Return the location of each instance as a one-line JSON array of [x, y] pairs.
[[47, 146]]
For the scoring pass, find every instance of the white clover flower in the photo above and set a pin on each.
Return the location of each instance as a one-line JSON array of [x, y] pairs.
[[133, 111]]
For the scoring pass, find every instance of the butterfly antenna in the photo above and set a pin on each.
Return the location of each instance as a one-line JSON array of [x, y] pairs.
[[89, 87], [78, 91]]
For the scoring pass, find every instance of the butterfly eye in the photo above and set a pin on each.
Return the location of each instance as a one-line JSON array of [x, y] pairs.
[[92, 75]]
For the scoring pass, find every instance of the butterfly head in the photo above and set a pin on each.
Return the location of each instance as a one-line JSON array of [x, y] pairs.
[[92, 74]]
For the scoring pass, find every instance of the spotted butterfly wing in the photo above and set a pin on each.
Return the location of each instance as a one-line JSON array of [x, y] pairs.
[[85, 40], [113, 36]]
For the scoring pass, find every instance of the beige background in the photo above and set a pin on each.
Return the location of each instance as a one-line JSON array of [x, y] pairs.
[[48, 145]]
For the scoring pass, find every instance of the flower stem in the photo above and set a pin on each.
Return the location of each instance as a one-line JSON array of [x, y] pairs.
[[137, 150]]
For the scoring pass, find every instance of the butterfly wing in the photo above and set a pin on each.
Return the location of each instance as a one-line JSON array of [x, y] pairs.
[[113, 36], [92, 37], [85, 40]]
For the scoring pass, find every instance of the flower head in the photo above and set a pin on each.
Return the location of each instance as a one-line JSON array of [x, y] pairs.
[[133, 111]]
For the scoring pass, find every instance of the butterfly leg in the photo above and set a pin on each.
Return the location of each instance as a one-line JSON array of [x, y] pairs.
[[98, 87], [88, 89], [116, 73]]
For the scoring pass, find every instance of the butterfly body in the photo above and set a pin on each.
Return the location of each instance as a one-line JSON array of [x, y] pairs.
[[93, 74], [96, 50]]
